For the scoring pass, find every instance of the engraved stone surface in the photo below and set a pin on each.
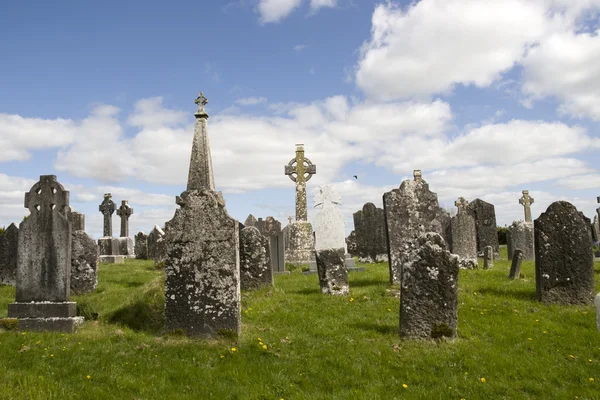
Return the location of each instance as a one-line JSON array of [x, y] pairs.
[[107, 208], [429, 290], [485, 224], [300, 169], [564, 263], [125, 212], [84, 263], [409, 212], [370, 236], [9, 246], [526, 201], [521, 238], [141, 246], [331, 267], [464, 236], [255, 259], [488, 257], [515, 267]]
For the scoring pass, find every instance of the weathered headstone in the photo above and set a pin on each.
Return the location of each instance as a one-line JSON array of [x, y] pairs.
[[300, 238], [515, 267], [331, 267], [520, 237], [272, 230], [485, 225], [564, 263], [488, 257], [464, 236], [155, 234], [202, 288], [352, 246], [44, 262], [9, 246], [429, 290], [141, 246], [526, 201], [597, 302], [77, 221], [109, 246], [370, 234], [85, 255], [125, 242], [250, 221], [409, 212], [255, 260]]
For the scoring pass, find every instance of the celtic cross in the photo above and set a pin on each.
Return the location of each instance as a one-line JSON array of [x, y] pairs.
[[300, 170], [124, 212], [47, 196], [526, 201], [107, 208]]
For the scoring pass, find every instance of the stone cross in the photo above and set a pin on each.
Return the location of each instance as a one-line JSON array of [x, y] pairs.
[[289, 220], [326, 197], [107, 208], [300, 170], [200, 175], [201, 102], [461, 203], [598, 209], [417, 175], [124, 212], [526, 201]]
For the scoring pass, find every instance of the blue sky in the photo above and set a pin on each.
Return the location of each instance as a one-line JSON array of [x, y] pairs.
[[487, 98]]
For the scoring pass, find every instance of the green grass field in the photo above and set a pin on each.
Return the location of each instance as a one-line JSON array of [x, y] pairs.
[[299, 344]]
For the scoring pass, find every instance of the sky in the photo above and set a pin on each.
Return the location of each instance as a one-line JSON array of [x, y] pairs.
[[487, 98]]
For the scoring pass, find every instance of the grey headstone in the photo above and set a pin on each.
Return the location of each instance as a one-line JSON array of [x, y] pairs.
[[272, 226], [597, 302], [153, 237], [509, 249], [141, 246], [352, 244], [485, 224], [77, 221], [515, 267], [9, 246], [370, 236], [255, 259], [107, 208], [160, 252], [84, 263], [564, 263], [464, 236], [44, 261], [429, 290], [521, 238], [409, 212], [272, 230], [300, 243], [488, 257], [108, 246], [331, 267], [250, 221]]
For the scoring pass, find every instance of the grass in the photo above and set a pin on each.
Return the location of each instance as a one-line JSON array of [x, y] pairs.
[[509, 345]]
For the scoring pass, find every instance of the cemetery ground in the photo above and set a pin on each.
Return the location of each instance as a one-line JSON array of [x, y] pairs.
[[299, 344]]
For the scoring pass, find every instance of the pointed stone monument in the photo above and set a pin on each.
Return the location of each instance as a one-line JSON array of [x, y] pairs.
[[202, 264], [125, 242], [300, 239], [109, 246]]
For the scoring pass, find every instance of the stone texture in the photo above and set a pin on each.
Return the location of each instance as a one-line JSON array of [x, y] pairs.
[[520, 237], [112, 259], [526, 201], [409, 212], [202, 265], [515, 267], [126, 247], [109, 246], [370, 240], [488, 257], [141, 246], [272, 230], [329, 221], [564, 263], [160, 252], [484, 214], [300, 169], [300, 243], [597, 302], [84, 263], [77, 221], [255, 259], [125, 211], [44, 259], [352, 245], [9, 246], [429, 290], [107, 208], [153, 237], [250, 221], [331, 267], [464, 236]]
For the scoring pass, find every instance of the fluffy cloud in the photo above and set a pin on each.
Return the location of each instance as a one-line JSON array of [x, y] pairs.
[[276, 10], [317, 4], [251, 101]]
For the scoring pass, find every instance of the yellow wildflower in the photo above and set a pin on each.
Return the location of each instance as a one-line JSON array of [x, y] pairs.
[[233, 349], [264, 346], [591, 379], [529, 338], [404, 385], [88, 377], [482, 380]]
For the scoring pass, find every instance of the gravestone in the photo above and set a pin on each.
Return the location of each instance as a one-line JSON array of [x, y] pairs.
[[485, 224], [370, 235], [250, 221], [141, 246], [429, 290], [85, 256], [125, 242], [352, 245], [109, 246], [331, 268], [272, 230], [564, 263], [515, 267], [299, 233], [597, 302], [488, 257], [526, 201], [464, 236], [202, 265], [409, 211], [77, 220], [44, 262], [9, 246], [520, 237], [155, 234], [255, 261]]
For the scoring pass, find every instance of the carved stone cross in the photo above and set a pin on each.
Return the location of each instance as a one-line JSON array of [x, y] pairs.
[[526, 201], [417, 175], [326, 197], [47, 196], [124, 212], [300, 170], [201, 102], [107, 208], [461, 203]]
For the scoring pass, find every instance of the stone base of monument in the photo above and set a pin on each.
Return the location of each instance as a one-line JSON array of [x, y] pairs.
[[300, 243], [126, 247], [109, 246], [112, 259], [46, 316]]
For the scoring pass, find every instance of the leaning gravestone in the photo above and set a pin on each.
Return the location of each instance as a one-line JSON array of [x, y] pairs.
[[520, 237], [44, 262], [409, 212], [370, 234], [485, 225], [331, 268], [464, 236], [515, 267], [202, 287], [9, 245], [429, 290], [255, 261], [85, 256], [564, 263], [141, 246]]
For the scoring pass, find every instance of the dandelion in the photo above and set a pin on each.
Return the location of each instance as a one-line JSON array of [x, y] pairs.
[[351, 299], [264, 346], [545, 332], [482, 380], [529, 338], [38, 342], [591, 379], [389, 309], [537, 320], [571, 356], [222, 356], [88, 377], [259, 339], [260, 343], [233, 349], [590, 360], [404, 385], [23, 333], [51, 355]]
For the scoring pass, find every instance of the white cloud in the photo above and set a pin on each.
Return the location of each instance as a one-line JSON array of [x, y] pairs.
[[150, 113], [587, 181], [299, 47], [317, 4], [251, 101], [276, 10]]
